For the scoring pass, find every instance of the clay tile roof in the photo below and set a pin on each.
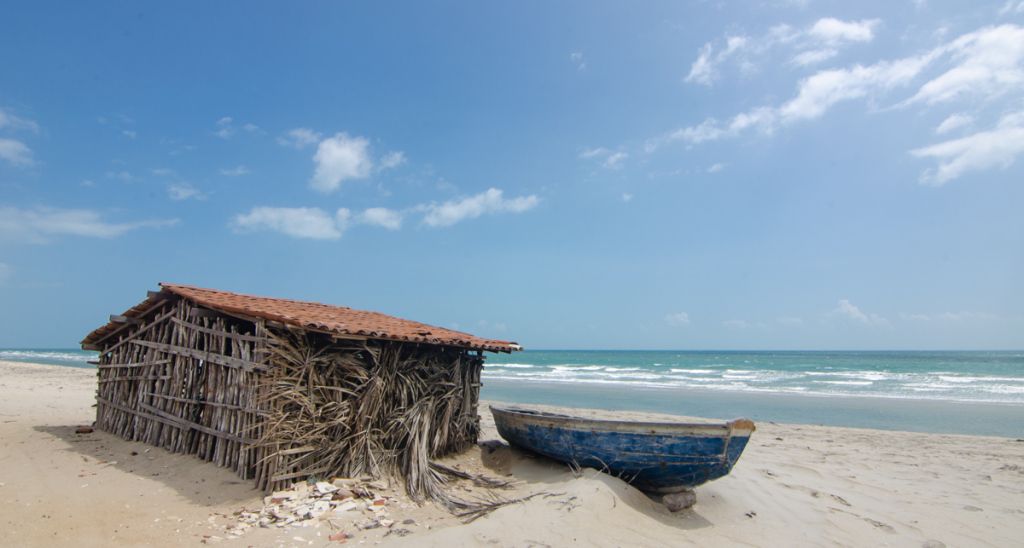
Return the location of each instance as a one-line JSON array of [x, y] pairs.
[[320, 317]]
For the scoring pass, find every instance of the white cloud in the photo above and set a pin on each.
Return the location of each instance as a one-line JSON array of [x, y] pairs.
[[392, 159], [590, 153], [471, 207], [711, 129], [299, 138], [129, 133], [678, 319], [1009, 7], [989, 63], [813, 57], [814, 45], [124, 176], [577, 59], [702, 70], [983, 150], [814, 96], [37, 226], [226, 129], [612, 160], [819, 92], [316, 224], [847, 309], [626, 197], [183, 191], [953, 122], [833, 31], [14, 122], [342, 219], [340, 158], [852, 312], [379, 216], [299, 222], [15, 152], [251, 128], [789, 320], [240, 170], [715, 168]]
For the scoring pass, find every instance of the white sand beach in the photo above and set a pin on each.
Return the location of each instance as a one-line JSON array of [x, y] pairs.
[[794, 486]]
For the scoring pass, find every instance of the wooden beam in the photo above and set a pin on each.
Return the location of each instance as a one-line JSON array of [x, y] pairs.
[[169, 419], [113, 333], [125, 319], [129, 365], [204, 355], [346, 337], [204, 313], [141, 330], [160, 295], [155, 308], [134, 378], [238, 336], [210, 403], [194, 426]]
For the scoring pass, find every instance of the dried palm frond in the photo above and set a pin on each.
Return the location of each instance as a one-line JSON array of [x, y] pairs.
[[490, 504], [478, 480], [377, 408]]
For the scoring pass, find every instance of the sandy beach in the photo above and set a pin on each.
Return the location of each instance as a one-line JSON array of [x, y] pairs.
[[794, 486]]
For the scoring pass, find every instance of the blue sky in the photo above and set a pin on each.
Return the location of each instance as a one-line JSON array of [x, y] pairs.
[[583, 175]]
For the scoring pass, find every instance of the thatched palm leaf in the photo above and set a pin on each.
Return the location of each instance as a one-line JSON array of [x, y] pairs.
[[335, 407]]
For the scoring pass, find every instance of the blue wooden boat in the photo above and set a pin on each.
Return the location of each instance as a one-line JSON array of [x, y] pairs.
[[656, 457]]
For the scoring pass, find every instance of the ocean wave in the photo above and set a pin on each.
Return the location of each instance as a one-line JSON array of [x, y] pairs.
[[28, 355], [847, 383], [577, 367], [838, 388], [975, 377], [1003, 389]]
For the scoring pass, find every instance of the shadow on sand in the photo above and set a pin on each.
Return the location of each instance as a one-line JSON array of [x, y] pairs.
[[201, 482]]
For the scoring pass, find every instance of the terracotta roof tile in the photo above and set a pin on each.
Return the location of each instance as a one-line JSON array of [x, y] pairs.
[[317, 316]]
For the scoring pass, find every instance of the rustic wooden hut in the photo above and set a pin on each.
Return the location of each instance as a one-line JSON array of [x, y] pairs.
[[281, 390]]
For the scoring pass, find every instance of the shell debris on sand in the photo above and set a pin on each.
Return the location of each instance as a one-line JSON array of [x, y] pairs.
[[311, 503]]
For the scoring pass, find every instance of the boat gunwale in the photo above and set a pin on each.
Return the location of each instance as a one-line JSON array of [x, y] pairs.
[[739, 427]]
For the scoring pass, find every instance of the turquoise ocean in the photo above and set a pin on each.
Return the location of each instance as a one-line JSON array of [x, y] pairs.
[[975, 393], [980, 393]]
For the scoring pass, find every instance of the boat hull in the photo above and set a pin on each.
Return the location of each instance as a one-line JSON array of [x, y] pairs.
[[653, 457]]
